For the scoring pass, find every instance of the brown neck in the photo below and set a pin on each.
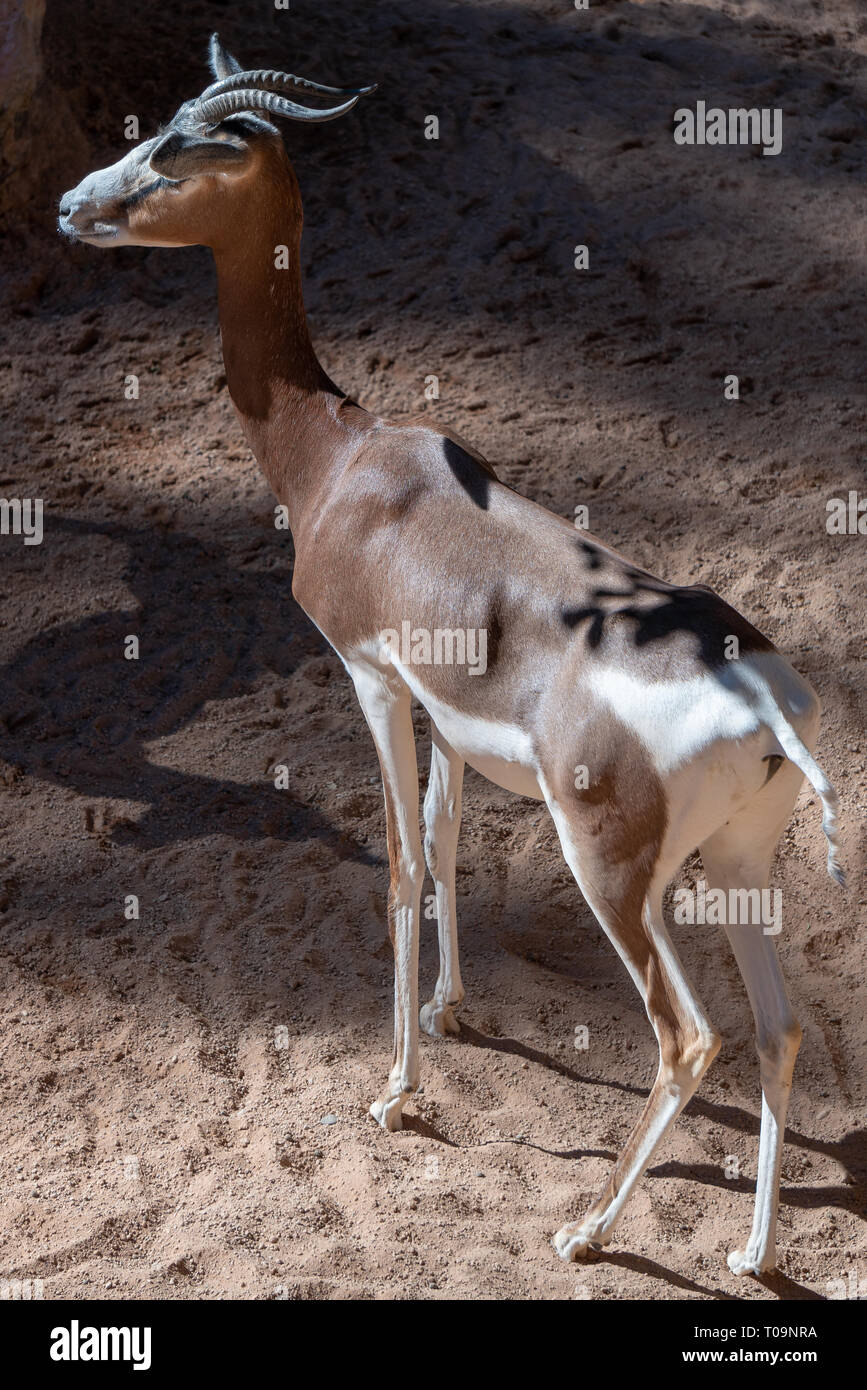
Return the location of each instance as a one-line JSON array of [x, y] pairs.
[[288, 406]]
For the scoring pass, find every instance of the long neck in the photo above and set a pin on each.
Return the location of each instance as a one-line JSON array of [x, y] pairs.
[[287, 405]]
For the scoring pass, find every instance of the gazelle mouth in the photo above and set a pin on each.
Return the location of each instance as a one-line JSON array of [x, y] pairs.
[[98, 231], [94, 234]]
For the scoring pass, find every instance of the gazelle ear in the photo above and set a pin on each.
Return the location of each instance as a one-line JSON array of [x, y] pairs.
[[180, 156], [222, 64]]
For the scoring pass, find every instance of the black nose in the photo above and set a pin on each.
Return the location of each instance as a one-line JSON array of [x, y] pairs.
[[65, 205]]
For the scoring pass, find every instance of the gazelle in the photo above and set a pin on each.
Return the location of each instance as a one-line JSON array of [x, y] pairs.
[[593, 666]]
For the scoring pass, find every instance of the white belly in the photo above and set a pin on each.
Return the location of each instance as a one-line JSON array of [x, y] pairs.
[[500, 752], [514, 777]]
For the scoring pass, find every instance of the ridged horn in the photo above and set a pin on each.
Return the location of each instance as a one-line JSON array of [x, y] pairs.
[[263, 80], [216, 109]]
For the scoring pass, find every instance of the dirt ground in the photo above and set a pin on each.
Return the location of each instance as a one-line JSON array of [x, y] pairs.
[[184, 1097]]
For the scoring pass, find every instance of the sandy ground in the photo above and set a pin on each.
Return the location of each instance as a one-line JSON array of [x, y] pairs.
[[184, 1097]]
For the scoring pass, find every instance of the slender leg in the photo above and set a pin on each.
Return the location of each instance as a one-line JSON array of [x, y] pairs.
[[778, 1036], [687, 1043], [386, 704], [739, 856], [687, 1046], [442, 818]]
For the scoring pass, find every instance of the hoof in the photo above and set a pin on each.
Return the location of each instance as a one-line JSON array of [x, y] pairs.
[[437, 1020], [387, 1112], [742, 1262], [573, 1243]]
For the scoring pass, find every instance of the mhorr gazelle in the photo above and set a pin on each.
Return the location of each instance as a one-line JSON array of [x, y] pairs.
[[651, 719]]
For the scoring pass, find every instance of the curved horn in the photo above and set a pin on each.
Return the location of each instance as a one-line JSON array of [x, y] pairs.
[[221, 63], [268, 81], [216, 109]]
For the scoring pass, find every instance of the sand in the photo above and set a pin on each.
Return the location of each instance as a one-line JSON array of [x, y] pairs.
[[184, 1096]]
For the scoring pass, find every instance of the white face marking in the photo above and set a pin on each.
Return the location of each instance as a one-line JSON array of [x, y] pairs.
[[94, 211], [91, 210]]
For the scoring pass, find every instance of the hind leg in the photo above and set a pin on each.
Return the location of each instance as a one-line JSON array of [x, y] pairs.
[[616, 890], [442, 819], [739, 856]]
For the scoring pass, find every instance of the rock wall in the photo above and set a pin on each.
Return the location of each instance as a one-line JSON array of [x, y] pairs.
[[20, 77], [39, 134]]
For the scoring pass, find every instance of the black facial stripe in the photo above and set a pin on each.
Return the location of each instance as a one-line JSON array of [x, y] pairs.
[[143, 193]]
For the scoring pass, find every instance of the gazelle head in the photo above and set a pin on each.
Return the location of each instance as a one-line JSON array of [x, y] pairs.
[[182, 186]]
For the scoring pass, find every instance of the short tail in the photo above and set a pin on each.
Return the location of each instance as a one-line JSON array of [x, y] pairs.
[[800, 755]]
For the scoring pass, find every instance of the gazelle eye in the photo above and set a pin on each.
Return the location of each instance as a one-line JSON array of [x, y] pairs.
[[145, 192]]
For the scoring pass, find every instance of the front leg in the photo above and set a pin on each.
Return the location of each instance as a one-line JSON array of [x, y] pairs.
[[386, 704], [442, 818]]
